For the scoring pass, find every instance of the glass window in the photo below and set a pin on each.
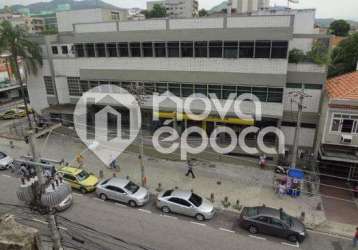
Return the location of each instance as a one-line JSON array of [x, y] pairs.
[[186, 49], [101, 50], [215, 89], [135, 49], [112, 49], [160, 50], [262, 219], [74, 86], [123, 49], [147, 48], [83, 175], [243, 90], [230, 49], [335, 125], [294, 85], [50, 90], [174, 88], [131, 187], [196, 200], [215, 49], [64, 50], [126, 85], [201, 88], [279, 49], [201, 49], [247, 49], [69, 177], [276, 222], [149, 88], [347, 126], [90, 50], [93, 84], [162, 87], [187, 90], [227, 90], [262, 49], [79, 50], [84, 86], [260, 93], [173, 49], [312, 86], [275, 95], [54, 50]]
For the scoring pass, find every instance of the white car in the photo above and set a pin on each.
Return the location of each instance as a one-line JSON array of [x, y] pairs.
[[5, 161]]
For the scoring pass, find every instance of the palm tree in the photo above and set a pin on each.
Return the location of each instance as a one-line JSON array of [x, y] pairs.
[[16, 41]]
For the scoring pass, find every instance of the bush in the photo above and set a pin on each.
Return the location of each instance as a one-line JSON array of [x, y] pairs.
[[296, 56]]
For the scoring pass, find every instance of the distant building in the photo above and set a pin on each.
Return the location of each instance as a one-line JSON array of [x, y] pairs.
[[30, 24], [247, 6], [338, 134], [67, 19], [178, 8]]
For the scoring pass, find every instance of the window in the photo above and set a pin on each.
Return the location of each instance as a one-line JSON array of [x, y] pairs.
[[246, 49], [275, 95], [101, 50], [49, 86], [115, 15], [115, 189], [262, 49], [200, 88], [131, 187], [174, 88], [335, 125], [215, 49], [347, 126], [167, 193], [243, 90], [195, 199], [201, 49], [64, 49], [279, 49], [227, 90], [84, 85], [294, 85], [112, 49], [135, 49], [147, 49], [230, 49], [54, 50], [79, 50], [90, 50], [162, 87], [186, 49], [312, 86], [216, 90], [262, 219], [187, 90], [173, 49], [123, 49], [93, 84], [276, 222], [69, 177], [149, 88], [159, 49], [260, 93], [73, 86], [180, 202], [83, 175]]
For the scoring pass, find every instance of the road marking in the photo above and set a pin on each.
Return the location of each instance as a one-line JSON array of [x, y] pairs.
[[5, 175], [330, 235], [76, 194], [257, 237], [291, 245], [63, 228], [120, 204], [226, 230], [197, 223], [169, 216], [145, 211], [41, 221], [95, 198]]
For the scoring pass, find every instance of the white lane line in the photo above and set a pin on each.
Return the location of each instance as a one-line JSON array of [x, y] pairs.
[[226, 230], [7, 176], [197, 223], [63, 228], [120, 204], [169, 216], [257, 237], [41, 221], [330, 235], [145, 211], [291, 245], [98, 199], [76, 194]]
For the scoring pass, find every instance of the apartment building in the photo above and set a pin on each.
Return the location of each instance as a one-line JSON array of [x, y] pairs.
[[178, 8], [220, 55], [30, 24], [247, 6]]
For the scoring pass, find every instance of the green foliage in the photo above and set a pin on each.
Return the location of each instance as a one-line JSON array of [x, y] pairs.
[[203, 12], [157, 11], [339, 28], [296, 56], [344, 57], [50, 31], [318, 54]]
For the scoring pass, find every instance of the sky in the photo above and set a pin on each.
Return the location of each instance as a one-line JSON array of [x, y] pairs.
[[346, 9]]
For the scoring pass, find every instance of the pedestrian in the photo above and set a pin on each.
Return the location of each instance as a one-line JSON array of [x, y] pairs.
[[113, 164], [79, 159], [281, 189], [355, 238], [262, 161], [190, 169]]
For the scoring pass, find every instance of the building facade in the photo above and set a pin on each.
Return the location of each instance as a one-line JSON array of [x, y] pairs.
[[30, 24], [247, 6], [220, 55], [178, 8]]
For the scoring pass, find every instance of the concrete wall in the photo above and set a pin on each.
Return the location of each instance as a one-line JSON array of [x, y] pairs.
[[66, 19], [306, 138]]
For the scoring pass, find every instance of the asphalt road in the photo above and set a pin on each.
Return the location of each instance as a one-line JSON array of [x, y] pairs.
[[91, 223]]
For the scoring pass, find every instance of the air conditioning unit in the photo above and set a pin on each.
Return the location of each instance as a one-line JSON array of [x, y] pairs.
[[347, 139]]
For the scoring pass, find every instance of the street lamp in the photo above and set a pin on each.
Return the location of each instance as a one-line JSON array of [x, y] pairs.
[[6, 54]]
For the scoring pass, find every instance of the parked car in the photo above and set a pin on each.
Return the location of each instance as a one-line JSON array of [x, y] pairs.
[[186, 203], [12, 114], [273, 222], [122, 190], [5, 161], [65, 203], [79, 179], [22, 107]]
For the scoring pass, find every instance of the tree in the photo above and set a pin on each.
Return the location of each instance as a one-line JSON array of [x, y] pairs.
[[16, 41], [296, 56], [318, 53], [203, 12], [157, 11], [344, 57], [339, 28]]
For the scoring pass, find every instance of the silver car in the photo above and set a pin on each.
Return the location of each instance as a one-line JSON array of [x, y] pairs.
[[186, 203], [122, 190], [5, 161]]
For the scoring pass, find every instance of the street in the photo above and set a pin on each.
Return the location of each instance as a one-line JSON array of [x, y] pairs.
[[147, 228]]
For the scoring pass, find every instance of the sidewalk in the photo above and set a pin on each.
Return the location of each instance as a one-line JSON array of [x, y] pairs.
[[250, 185]]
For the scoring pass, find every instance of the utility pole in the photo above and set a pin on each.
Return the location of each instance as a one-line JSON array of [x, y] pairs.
[[301, 96]]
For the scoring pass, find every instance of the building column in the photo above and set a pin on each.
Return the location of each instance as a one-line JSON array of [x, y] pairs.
[[276, 157]]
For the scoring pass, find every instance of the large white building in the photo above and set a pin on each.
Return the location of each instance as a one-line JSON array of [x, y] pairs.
[[177, 8], [247, 6], [221, 55], [30, 24]]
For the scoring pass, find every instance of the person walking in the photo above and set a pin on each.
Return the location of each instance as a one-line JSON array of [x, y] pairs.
[[190, 169], [355, 238], [262, 161], [79, 159]]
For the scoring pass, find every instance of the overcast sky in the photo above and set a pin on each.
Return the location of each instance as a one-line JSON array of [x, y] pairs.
[[347, 9]]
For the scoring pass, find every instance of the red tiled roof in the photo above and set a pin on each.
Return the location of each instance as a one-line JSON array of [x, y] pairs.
[[344, 86]]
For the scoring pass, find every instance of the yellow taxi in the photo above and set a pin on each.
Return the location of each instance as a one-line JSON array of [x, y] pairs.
[[13, 114], [79, 178]]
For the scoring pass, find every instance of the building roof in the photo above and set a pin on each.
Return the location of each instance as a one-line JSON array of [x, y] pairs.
[[343, 87]]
